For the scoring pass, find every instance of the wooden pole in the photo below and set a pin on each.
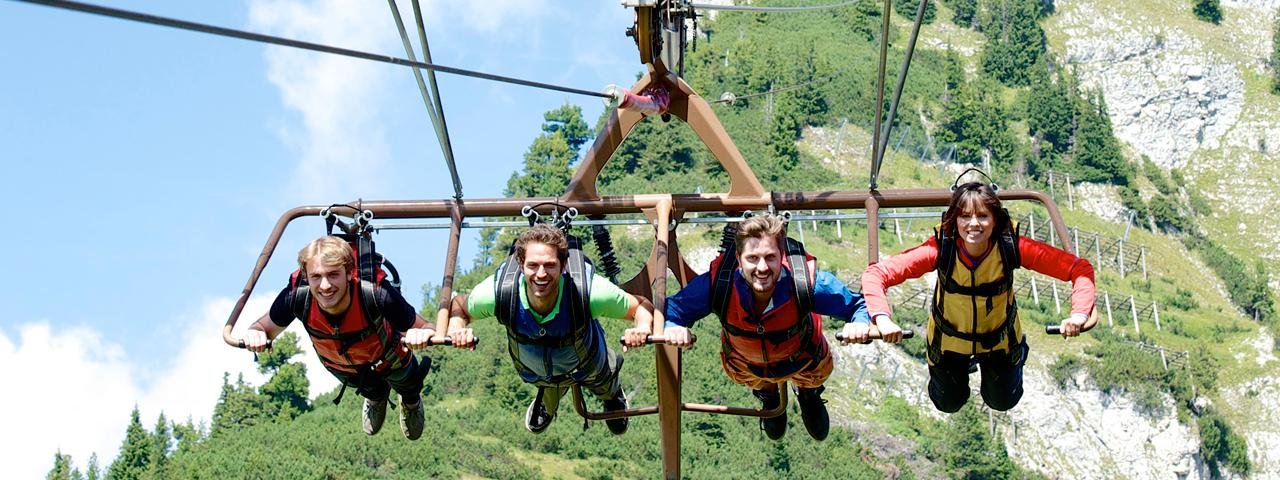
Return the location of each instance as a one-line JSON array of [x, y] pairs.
[[1071, 201], [1133, 308], [1155, 312], [897, 229], [1035, 293], [1142, 254], [1121, 253], [1056, 302]]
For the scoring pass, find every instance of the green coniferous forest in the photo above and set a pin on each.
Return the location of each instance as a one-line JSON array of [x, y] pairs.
[[1012, 108]]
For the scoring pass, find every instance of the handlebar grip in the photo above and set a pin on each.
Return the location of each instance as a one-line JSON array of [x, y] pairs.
[[445, 340], [242, 345], [658, 339], [1053, 329], [876, 336]]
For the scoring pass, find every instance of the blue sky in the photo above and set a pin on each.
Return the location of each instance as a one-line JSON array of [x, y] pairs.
[[145, 167]]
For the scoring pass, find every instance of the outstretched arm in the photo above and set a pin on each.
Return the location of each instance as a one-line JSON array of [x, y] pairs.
[[1060, 264], [641, 311]]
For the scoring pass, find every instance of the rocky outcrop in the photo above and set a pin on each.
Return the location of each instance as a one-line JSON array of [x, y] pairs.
[[1072, 432], [1167, 94]]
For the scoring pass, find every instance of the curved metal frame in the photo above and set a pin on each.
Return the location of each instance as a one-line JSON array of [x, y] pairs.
[[662, 210]]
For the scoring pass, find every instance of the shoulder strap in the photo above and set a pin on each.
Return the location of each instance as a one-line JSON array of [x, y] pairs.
[[1010, 256], [722, 282], [579, 274], [506, 290], [946, 253], [800, 276], [301, 296]]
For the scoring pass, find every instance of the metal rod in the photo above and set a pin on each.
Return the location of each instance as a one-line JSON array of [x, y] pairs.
[[286, 42], [897, 91], [879, 107], [442, 127]]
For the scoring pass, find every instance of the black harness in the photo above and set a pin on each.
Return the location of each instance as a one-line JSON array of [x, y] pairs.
[[577, 275]]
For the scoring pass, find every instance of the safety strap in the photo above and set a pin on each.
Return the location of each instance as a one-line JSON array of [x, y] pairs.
[[578, 274]]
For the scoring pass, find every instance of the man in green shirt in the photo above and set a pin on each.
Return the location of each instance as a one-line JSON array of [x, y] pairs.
[[553, 336]]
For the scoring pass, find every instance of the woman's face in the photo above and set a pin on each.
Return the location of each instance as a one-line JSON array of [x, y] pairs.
[[975, 224]]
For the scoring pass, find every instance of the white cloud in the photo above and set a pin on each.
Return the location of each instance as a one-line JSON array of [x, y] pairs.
[[337, 97], [71, 390], [487, 16]]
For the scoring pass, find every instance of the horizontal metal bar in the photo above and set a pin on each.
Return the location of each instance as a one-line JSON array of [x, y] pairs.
[[641, 221]]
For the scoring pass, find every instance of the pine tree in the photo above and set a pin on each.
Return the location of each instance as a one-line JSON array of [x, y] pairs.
[[974, 121], [964, 12], [135, 452], [907, 9], [1209, 11], [286, 390], [1275, 57], [63, 469], [1015, 41], [971, 452], [1050, 108], [567, 121], [1098, 156], [161, 441], [93, 471], [238, 406]]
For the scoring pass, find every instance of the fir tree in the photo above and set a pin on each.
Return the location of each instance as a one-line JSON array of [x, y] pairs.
[[974, 121], [1050, 109], [238, 406], [1015, 41], [63, 469], [908, 8], [93, 471], [1209, 11], [135, 452], [161, 440], [1275, 57], [567, 121], [286, 390], [1098, 156], [970, 452], [964, 12]]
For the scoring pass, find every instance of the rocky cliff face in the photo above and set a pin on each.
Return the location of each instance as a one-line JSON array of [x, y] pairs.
[[1168, 94], [1072, 432], [1189, 95]]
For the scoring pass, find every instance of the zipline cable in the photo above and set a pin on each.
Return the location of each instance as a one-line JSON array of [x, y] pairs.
[[743, 8], [433, 111], [435, 91], [286, 42]]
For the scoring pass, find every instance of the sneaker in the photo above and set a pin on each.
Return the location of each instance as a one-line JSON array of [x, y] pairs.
[[412, 419], [774, 427], [813, 409], [374, 413], [617, 425], [536, 418]]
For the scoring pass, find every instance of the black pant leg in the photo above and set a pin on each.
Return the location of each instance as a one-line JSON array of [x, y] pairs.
[[949, 382], [1002, 379], [407, 381]]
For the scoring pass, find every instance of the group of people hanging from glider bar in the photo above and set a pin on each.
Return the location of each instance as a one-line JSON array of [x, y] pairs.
[[763, 287]]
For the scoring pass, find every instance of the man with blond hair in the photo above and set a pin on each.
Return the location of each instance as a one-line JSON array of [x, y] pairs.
[[356, 327]]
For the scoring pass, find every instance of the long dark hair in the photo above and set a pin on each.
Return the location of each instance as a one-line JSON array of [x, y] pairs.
[[985, 195]]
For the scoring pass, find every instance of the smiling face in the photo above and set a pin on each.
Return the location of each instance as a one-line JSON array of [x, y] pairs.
[[541, 269], [761, 262], [974, 226], [330, 285]]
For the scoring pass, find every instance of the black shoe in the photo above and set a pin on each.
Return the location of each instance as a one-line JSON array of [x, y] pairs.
[[813, 409], [774, 427], [617, 425], [536, 418]]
